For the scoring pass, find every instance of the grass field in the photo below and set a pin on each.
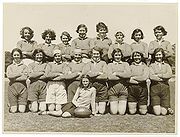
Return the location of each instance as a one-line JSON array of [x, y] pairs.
[[31, 122]]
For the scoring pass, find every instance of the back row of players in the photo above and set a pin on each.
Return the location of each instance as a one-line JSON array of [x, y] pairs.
[[59, 72]]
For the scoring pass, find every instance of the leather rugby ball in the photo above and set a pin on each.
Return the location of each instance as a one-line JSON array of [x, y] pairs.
[[82, 112]]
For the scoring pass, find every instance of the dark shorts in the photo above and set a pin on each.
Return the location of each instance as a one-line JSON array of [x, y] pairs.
[[17, 94], [138, 93], [160, 94], [71, 89], [69, 107], [101, 91], [117, 91], [37, 91]]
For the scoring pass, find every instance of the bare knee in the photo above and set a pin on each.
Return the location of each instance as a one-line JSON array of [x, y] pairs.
[[42, 106], [143, 109], [13, 109], [102, 107], [157, 110], [163, 111], [51, 107], [22, 108], [132, 107], [34, 106]]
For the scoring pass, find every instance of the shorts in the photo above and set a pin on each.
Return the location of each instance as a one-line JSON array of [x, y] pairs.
[[17, 94], [138, 93], [37, 91], [72, 89], [160, 95], [56, 93], [117, 92], [101, 91]]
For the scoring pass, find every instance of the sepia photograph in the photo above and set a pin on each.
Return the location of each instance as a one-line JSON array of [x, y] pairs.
[[90, 68]]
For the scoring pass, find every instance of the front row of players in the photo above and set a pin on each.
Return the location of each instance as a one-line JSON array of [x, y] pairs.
[[62, 87]]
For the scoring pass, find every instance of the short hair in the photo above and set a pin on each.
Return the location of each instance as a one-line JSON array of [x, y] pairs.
[[137, 31], [141, 54], [97, 49], [38, 51], [115, 51], [17, 50], [118, 33], [156, 51], [30, 31], [101, 25], [161, 28], [88, 77], [66, 34], [50, 32], [81, 26]]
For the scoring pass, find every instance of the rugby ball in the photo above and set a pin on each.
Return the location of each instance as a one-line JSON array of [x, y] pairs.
[[82, 112]]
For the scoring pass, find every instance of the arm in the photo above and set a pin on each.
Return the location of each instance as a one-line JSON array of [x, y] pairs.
[[93, 97], [126, 73], [74, 100], [11, 74], [24, 74], [111, 75], [144, 76], [168, 73], [152, 74], [110, 52], [169, 50], [151, 48], [103, 75], [49, 73], [34, 74]]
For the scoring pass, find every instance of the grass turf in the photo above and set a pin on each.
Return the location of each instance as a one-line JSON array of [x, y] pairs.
[[31, 122]]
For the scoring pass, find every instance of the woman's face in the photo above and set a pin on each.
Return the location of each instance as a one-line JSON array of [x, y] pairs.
[[95, 55], [159, 56], [27, 35], [158, 34], [102, 32], [77, 56], [119, 37], [57, 57], [85, 82], [39, 57], [16, 57], [65, 39], [48, 39], [137, 57], [137, 36], [117, 56], [82, 32]]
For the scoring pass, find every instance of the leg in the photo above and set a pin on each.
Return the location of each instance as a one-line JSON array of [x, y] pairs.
[[72, 90], [163, 111], [57, 112], [157, 110], [42, 106], [122, 107], [22, 108], [34, 106], [51, 107], [132, 107], [102, 107], [143, 109], [97, 108], [114, 107], [13, 109]]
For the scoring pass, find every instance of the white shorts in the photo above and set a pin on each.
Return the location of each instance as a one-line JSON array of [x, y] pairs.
[[56, 93]]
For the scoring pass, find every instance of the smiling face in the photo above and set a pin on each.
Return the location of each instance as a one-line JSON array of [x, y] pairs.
[[27, 35], [117, 56], [85, 82], [159, 56], [17, 57], [102, 32], [57, 57], [77, 56], [137, 36], [137, 57], [95, 55], [39, 57], [48, 39], [158, 34], [82, 32], [119, 37], [65, 39]]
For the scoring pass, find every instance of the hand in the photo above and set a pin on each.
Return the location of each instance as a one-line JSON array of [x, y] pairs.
[[114, 73], [100, 73]]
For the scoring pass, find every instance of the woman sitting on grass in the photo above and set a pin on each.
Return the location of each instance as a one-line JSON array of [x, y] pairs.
[[160, 73], [17, 89], [84, 97]]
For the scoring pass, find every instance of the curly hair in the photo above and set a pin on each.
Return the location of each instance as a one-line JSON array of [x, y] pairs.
[[101, 25], [97, 49], [156, 51], [161, 28], [50, 32], [81, 26], [141, 54], [17, 50], [66, 34], [38, 51], [137, 31], [30, 31]]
